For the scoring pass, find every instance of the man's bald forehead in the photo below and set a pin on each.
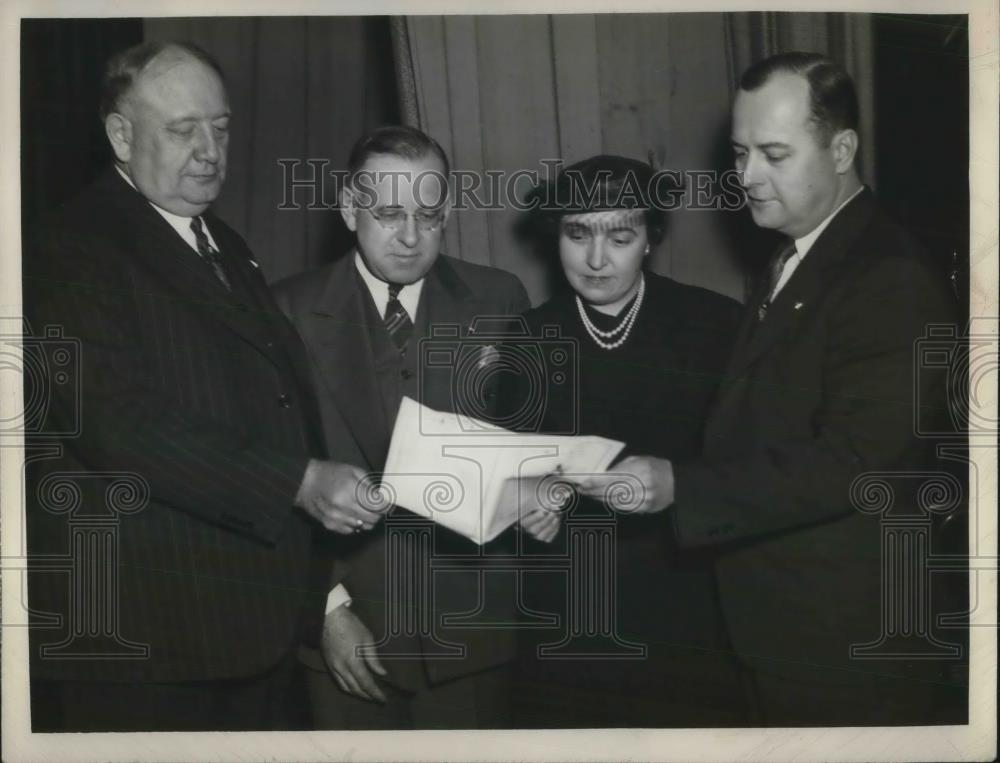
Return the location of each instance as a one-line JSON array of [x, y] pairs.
[[167, 59], [149, 58], [160, 66]]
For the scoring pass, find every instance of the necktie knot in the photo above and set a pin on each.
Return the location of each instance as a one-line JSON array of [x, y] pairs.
[[774, 272], [394, 289], [208, 254], [787, 253]]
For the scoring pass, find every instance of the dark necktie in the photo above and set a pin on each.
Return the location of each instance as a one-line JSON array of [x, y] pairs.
[[208, 254], [774, 270], [397, 321]]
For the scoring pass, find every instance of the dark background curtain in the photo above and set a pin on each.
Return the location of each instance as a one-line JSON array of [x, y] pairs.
[[922, 135], [501, 92], [62, 141], [300, 89]]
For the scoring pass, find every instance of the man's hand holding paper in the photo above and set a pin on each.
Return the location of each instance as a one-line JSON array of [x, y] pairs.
[[638, 485]]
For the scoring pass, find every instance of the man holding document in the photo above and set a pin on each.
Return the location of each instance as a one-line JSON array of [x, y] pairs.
[[819, 395], [362, 319]]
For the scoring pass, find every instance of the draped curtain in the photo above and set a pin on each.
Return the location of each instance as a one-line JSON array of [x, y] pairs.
[[502, 93], [845, 37]]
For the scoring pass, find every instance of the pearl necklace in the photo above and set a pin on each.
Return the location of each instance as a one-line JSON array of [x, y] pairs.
[[625, 326]]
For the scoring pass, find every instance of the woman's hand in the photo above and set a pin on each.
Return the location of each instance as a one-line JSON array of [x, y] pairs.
[[541, 524], [637, 485], [539, 502]]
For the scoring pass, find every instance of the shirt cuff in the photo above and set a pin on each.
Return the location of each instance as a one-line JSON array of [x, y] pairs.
[[337, 597]]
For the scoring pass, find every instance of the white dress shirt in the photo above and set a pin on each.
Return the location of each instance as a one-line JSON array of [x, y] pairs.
[[409, 298], [180, 224], [409, 295], [804, 244]]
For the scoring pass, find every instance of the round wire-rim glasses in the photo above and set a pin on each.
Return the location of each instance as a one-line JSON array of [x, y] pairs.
[[394, 218]]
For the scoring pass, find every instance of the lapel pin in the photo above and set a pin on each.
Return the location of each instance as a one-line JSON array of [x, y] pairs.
[[798, 305], [254, 263]]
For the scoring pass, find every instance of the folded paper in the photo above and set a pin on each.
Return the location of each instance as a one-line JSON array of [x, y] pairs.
[[455, 470]]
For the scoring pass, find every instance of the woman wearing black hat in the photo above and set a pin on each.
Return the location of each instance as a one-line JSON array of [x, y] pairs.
[[651, 353]]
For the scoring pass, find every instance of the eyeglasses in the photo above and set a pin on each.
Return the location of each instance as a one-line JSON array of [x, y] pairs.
[[394, 219]]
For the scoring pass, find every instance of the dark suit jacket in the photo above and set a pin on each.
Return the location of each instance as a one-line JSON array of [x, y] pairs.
[[818, 394], [335, 315], [205, 398]]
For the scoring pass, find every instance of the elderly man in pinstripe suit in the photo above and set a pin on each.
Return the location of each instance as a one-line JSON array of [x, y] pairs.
[[193, 386]]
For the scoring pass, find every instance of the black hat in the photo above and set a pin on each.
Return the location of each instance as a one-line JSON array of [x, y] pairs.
[[600, 183]]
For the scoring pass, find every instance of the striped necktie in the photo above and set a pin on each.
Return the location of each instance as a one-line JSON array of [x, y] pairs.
[[397, 320], [208, 254], [774, 270]]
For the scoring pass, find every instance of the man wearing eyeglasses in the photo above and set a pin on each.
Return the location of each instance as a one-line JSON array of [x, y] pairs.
[[362, 318]]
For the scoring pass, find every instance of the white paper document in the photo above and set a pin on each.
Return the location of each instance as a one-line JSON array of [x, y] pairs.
[[454, 470]]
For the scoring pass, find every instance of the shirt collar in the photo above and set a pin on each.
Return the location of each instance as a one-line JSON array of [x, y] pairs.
[[179, 223], [409, 295], [804, 244]]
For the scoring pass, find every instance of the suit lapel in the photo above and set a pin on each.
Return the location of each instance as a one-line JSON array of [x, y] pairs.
[[446, 301], [281, 342], [345, 359], [806, 286], [159, 248]]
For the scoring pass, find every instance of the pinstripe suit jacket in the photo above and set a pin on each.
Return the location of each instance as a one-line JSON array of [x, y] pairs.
[[199, 397]]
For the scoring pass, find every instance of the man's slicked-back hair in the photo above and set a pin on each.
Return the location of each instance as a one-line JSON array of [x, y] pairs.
[[394, 140], [832, 97], [124, 67]]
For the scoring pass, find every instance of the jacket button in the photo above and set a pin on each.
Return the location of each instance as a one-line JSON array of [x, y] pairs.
[[406, 374], [284, 401]]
